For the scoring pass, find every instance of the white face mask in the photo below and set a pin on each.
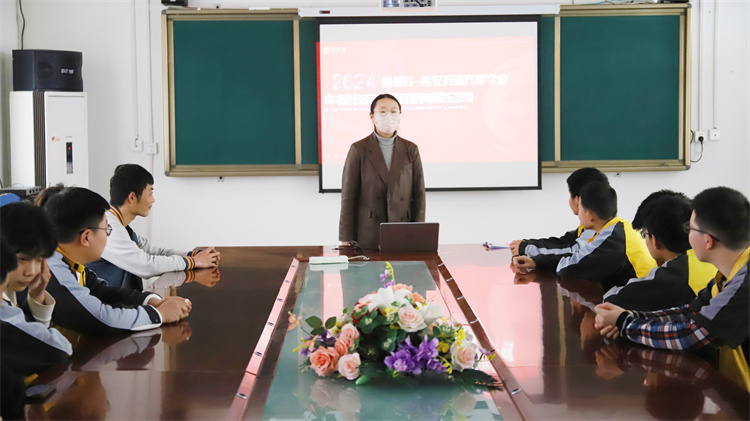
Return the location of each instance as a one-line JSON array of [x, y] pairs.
[[387, 122]]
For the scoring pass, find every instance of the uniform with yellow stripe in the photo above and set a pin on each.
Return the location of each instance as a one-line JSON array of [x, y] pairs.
[[725, 314], [614, 255], [88, 305], [129, 257]]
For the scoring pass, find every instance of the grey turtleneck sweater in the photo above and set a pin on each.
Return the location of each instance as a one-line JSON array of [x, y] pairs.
[[386, 146]]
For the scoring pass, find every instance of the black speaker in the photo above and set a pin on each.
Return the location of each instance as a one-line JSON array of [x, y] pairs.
[[47, 70], [182, 3]]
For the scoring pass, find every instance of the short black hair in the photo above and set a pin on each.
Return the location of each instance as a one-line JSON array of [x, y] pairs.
[[128, 178], [664, 218], [50, 191], [599, 198], [725, 213], [8, 261], [381, 96], [74, 209], [638, 218], [28, 230], [583, 176]]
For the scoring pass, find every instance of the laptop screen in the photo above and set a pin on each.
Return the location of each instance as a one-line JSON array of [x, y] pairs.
[[409, 236]]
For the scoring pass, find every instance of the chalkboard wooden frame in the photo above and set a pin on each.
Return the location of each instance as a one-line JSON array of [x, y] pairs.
[[175, 168], [553, 134], [682, 161]]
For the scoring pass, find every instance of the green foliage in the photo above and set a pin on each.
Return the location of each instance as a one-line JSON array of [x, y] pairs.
[[314, 322], [331, 322]]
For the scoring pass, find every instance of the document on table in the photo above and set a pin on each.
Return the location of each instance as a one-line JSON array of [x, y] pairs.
[[495, 246]]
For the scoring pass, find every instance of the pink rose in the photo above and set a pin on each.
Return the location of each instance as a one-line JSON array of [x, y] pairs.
[[463, 356], [410, 319], [349, 331], [324, 361], [415, 297], [349, 366], [342, 346], [397, 287]]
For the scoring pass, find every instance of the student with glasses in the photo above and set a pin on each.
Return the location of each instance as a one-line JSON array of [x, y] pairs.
[[667, 285], [700, 272], [719, 317], [85, 303], [382, 179]]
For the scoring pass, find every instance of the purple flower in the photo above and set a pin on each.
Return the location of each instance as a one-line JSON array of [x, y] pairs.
[[404, 360], [384, 279], [428, 349], [326, 339], [304, 351], [436, 366]]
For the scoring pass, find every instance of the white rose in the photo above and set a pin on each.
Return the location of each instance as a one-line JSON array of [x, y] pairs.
[[410, 319], [463, 355]]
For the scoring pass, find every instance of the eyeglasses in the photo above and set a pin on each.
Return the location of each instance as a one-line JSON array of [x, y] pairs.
[[686, 227], [384, 113], [108, 229], [644, 233]]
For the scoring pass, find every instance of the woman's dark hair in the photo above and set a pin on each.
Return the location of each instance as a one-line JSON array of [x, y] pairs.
[[381, 96]]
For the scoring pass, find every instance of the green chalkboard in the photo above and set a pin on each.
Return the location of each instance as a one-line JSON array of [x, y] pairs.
[[242, 94]]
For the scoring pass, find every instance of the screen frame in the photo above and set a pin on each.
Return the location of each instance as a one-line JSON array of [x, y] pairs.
[[437, 19]]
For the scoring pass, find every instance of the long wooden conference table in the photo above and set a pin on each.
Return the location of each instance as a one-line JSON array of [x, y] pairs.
[[232, 359]]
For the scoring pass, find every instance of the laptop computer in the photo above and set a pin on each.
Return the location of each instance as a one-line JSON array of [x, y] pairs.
[[409, 236]]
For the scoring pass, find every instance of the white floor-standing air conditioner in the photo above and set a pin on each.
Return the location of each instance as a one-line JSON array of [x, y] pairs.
[[49, 138]]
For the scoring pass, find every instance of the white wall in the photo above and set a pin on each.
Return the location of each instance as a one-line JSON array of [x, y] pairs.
[[288, 210]]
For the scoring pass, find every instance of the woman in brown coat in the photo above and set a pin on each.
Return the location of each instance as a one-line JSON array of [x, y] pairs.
[[382, 179]]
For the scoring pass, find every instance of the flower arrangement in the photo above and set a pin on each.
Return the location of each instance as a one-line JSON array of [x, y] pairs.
[[392, 330]]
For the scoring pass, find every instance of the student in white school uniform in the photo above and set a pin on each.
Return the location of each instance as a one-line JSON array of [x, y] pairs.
[[129, 257]]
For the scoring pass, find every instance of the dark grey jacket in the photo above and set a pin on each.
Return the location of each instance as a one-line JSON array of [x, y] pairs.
[[370, 194]]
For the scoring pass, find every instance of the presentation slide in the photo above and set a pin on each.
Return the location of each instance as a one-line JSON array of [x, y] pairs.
[[468, 94]]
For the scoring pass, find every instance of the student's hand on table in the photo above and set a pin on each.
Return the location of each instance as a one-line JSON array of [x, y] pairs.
[[606, 317], [39, 284], [216, 252], [208, 277], [524, 262], [174, 309], [610, 332], [514, 245], [208, 258]]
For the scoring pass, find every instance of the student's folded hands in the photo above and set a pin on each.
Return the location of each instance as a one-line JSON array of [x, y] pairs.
[[207, 258], [524, 262], [173, 309]]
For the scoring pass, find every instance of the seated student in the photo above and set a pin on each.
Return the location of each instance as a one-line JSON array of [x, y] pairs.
[[128, 257], [553, 245], [616, 252], [84, 302], [12, 392], [666, 286], [700, 272], [32, 236], [26, 347], [28, 343], [719, 232]]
